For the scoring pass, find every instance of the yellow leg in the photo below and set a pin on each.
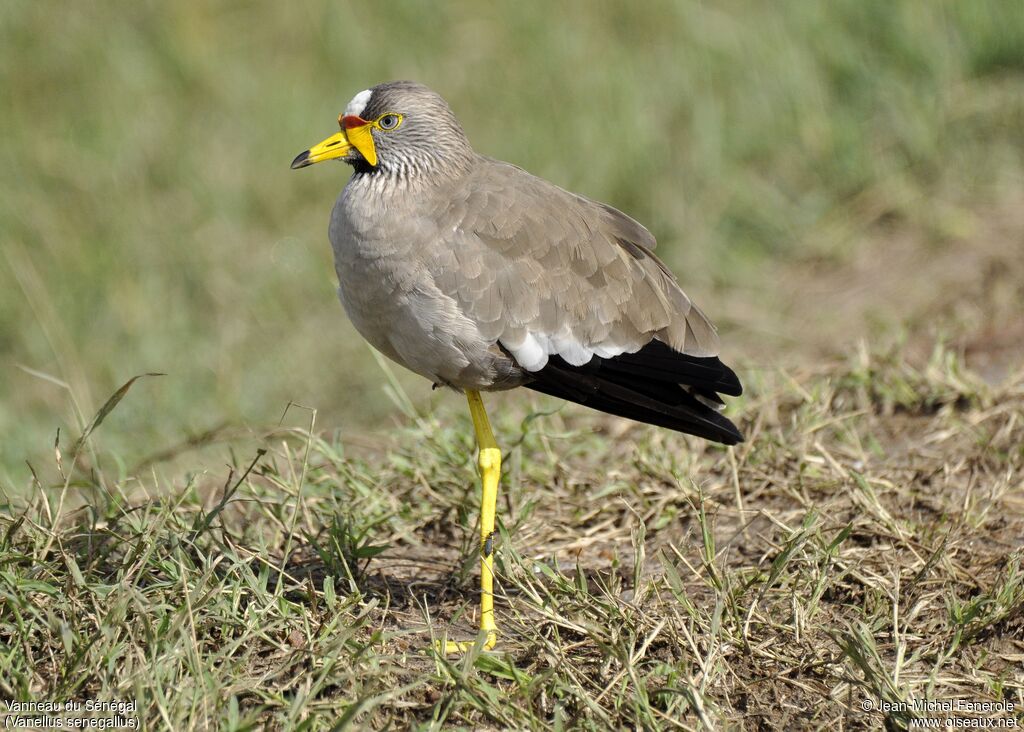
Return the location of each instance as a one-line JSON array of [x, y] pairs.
[[490, 474]]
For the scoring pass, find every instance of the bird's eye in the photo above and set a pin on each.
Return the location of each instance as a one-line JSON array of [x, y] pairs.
[[389, 121]]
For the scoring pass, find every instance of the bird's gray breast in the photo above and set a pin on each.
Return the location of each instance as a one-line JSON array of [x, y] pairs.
[[386, 283]]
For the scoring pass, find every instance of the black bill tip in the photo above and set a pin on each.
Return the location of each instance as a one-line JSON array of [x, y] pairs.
[[301, 160]]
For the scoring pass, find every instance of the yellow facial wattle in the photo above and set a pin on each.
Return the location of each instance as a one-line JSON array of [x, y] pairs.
[[355, 133]]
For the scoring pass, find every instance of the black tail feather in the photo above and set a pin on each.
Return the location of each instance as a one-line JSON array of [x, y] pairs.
[[656, 385], [659, 362]]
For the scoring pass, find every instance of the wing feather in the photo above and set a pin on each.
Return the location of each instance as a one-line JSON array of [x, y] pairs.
[[580, 276], [572, 291]]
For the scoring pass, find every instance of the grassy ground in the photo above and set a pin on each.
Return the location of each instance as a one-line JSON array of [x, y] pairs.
[[864, 544], [839, 186]]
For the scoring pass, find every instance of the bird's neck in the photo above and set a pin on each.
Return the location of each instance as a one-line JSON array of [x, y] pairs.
[[419, 168]]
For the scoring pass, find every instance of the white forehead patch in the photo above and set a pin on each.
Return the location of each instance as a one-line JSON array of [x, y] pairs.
[[358, 103]]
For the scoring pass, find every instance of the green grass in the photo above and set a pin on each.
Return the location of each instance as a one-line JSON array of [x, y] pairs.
[[149, 222], [646, 582]]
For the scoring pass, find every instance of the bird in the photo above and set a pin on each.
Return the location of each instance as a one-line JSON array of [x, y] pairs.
[[481, 277]]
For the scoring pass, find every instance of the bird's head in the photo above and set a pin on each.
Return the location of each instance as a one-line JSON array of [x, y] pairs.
[[400, 126]]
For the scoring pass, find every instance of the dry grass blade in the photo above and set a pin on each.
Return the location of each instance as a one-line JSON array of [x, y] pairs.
[[105, 410]]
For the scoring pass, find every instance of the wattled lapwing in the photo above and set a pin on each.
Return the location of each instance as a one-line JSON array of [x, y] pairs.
[[481, 277]]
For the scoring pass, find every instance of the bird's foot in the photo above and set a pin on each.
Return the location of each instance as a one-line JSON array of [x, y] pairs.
[[460, 648]]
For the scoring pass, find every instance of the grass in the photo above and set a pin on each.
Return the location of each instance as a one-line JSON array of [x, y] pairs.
[[863, 544], [260, 537]]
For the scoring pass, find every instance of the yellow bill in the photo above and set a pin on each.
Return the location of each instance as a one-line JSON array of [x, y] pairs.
[[355, 134]]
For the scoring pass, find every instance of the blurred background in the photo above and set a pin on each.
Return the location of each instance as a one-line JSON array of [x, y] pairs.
[[817, 174]]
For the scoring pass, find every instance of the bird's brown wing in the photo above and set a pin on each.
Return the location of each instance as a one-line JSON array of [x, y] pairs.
[[526, 257], [572, 291]]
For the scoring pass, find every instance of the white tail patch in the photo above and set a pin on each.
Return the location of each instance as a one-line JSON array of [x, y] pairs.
[[533, 350], [532, 353], [358, 103]]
